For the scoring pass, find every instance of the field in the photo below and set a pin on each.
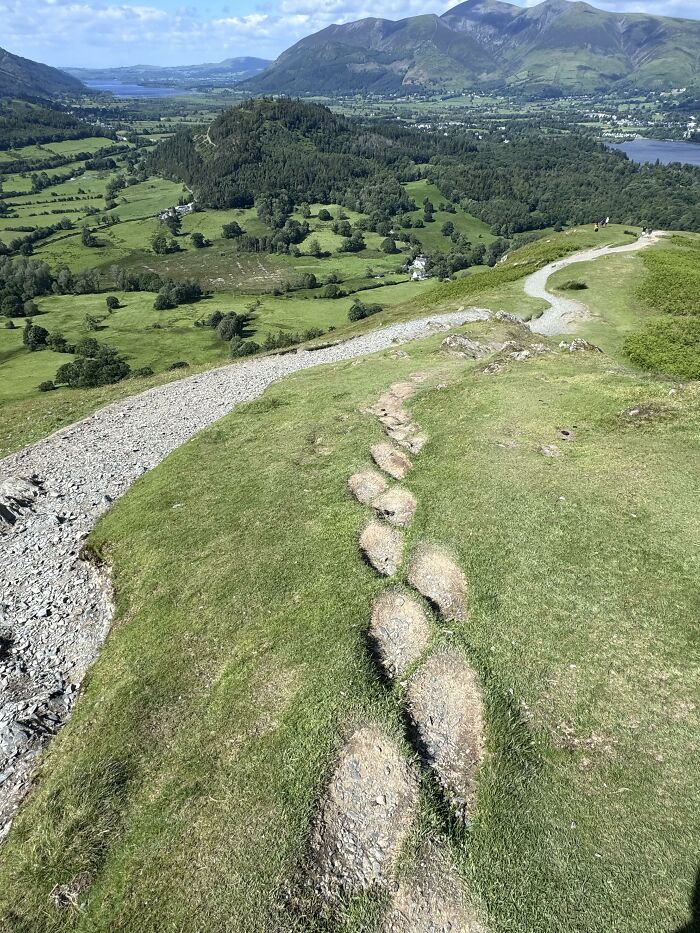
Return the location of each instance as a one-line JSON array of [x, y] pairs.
[[189, 805]]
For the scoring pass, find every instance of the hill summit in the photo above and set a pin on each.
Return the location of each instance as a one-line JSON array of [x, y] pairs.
[[22, 77], [487, 44]]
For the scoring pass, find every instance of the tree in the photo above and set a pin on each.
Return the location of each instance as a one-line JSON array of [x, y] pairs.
[[308, 280], [173, 221], [12, 306], [314, 248], [332, 291], [448, 228], [389, 246], [231, 325], [354, 244], [33, 336], [86, 236], [198, 240], [91, 322], [112, 302], [159, 243], [232, 231], [325, 215]]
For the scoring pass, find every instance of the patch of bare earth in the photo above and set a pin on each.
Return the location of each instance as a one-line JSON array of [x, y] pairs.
[[363, 818], [396, 506], [398, 630], [445, 706], [394, 462], [366, 485], [430, 900], [437, 577], [383, 547]]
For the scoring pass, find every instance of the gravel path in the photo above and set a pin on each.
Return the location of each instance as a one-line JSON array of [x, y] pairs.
[[55, 609], [563, 312]]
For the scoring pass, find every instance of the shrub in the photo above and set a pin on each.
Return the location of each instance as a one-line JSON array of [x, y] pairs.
[[112, 302], [10, 325], [232, 230], [198, 240], [142, 372], [359, 310], [324, 214], [389, 246], [47, 386], [179, 364], [573, 286], [239, 347], [104, 367], [231, 325], [332, 291], [34, 337]]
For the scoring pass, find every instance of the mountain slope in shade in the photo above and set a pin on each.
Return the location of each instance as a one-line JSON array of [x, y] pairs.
[[22, 77], [570, 47]]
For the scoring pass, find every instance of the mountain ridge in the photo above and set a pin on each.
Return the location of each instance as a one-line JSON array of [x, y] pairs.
[[490, 44]]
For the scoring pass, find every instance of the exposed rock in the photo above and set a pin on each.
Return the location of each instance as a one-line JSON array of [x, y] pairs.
[[396, 420], [429, 899], [436, 576], [509, 318], [364, 816], [366, 485], [578, 344], [394, 462], [397, 506], [550, 450], [399, 631], [445, 706], [17, 494], [383, 547], [527, 353], [461, 345]]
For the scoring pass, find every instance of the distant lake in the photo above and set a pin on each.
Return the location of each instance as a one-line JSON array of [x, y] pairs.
[[665, 150], [119, 89]]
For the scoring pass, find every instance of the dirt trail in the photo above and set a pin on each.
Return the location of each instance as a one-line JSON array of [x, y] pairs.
[[563, 312]]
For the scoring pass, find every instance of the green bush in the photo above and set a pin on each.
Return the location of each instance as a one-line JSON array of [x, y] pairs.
[[46, 386], [669, 345], [179, 364], [239, 347], [573, 286], [142, 372]]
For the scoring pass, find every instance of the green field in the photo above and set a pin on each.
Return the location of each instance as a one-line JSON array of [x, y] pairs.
[[186, 780]]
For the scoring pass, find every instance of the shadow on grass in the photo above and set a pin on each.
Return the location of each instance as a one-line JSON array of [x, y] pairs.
[[693, 925]]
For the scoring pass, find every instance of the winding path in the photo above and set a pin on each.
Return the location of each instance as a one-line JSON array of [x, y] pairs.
[[563, 312]]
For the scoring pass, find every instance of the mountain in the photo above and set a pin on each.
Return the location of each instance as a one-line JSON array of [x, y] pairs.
[[228, 72], [488, 44], [21, 77]]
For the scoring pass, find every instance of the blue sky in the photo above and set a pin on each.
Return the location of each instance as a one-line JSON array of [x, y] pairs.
[[102, 33]]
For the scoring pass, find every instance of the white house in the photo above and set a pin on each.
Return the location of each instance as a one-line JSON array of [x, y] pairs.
[[418, 269]]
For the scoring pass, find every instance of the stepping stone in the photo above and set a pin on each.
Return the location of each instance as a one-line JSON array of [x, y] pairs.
[[409, 436], [398, 630], [445, 706], [383, 547], [397, 506], [430, 900], [364, 816], [436, 576], [394, 462], [366, 485]]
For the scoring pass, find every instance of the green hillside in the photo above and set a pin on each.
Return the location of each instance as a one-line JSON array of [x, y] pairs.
[[22, 77], [556, 46]]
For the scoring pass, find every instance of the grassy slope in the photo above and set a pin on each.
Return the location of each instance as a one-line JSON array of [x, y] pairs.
[[186, 779]]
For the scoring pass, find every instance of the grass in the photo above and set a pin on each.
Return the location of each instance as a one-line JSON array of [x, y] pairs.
[[186, 779], [431, 236]]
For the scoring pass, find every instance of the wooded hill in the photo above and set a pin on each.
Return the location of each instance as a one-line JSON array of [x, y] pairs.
[[22, 77], [313, 155]]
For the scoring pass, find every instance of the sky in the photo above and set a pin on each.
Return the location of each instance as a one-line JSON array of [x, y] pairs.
[[102, 33]]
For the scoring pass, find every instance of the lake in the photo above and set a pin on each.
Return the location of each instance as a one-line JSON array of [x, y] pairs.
[[120, 89], [665, 150]]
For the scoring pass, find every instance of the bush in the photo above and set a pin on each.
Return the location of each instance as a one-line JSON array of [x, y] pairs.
[[46, 386], [34, 337], [231, 325], [232, 230], [179, 364], [573, 286], [112, 302], [198, 240], [10, 325], [325, 214], [359, 310], [239, 347], [142, 372], [389, 246], [104, 367], [332, 291]]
